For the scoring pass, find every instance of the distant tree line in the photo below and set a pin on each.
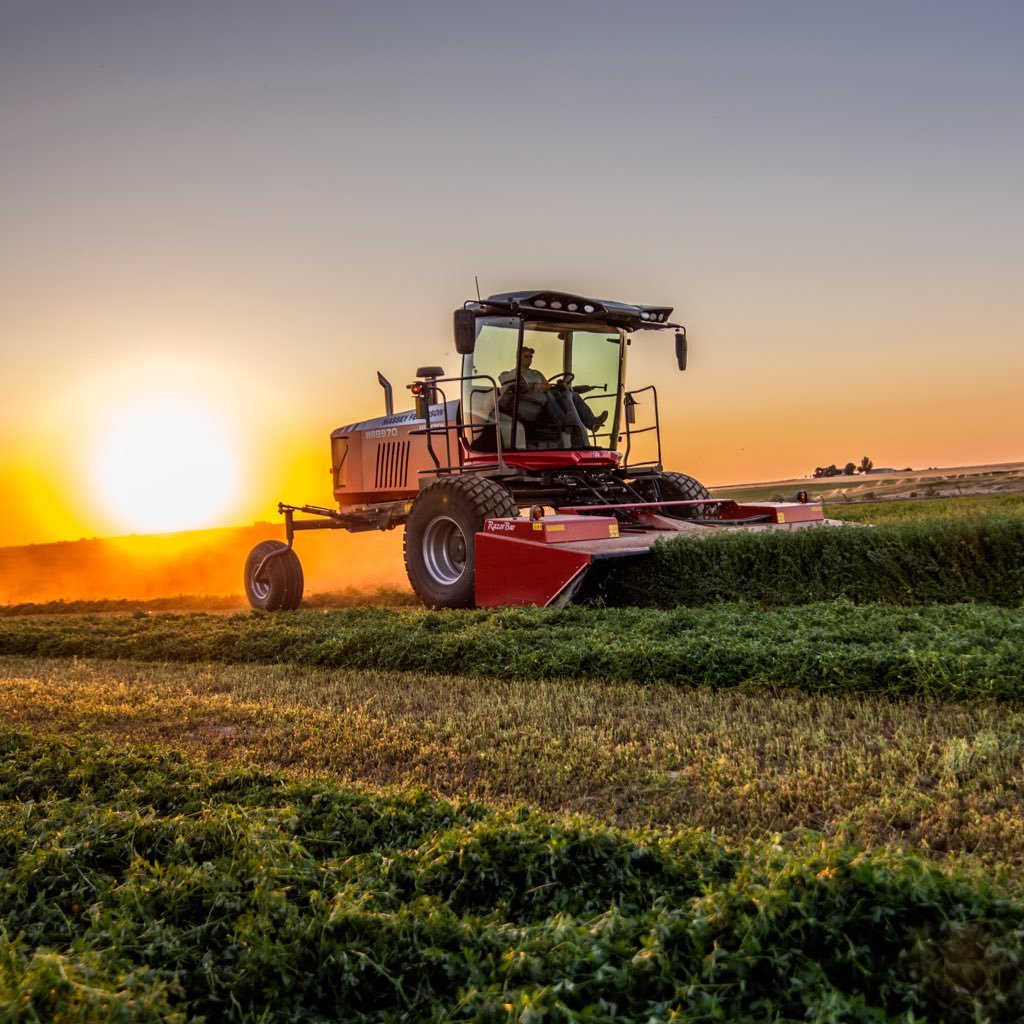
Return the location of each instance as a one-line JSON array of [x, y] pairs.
[[866, 465]]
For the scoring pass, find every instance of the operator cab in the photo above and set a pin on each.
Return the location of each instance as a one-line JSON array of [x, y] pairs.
[[544, 370], [557, 382]]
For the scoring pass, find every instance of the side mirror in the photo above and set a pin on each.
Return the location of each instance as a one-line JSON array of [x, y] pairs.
[[630, 405], [465, 331], [681, 348]]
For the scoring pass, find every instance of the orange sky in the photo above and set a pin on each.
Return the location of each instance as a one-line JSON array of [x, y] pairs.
[[222, 226]]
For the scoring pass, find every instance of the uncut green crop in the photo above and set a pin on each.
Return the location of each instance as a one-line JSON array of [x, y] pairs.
[[142, 887], [942, 652], [906, 563]]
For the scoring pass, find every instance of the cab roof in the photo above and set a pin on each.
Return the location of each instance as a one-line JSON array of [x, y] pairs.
[[546, 304]]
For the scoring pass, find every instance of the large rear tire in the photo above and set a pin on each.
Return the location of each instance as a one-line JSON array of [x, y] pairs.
[[279, 586], [440, 537], [679, 487]]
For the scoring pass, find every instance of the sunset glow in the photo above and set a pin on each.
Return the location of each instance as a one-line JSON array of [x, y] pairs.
[[216, 234], [165, 465]]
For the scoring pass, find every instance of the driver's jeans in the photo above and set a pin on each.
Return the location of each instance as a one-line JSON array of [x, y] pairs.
[[567, 410], [569, 416]]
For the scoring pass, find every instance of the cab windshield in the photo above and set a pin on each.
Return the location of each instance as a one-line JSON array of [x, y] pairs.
[[564, 395]]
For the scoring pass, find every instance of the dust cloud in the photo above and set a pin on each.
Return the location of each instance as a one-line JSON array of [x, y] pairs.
[[201, 562]]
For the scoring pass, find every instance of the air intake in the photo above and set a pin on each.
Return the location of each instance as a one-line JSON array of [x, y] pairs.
[[392, 465]]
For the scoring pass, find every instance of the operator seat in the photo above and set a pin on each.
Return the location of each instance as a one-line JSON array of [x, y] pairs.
[[480, 427]]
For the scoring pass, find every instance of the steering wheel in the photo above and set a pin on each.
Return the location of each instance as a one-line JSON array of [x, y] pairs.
[[562, 381]]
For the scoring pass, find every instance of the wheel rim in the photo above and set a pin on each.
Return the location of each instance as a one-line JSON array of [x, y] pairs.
[[260, 587], [444, 550]]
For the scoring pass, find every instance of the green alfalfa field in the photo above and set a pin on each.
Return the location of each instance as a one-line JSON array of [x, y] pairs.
[[736, 809]]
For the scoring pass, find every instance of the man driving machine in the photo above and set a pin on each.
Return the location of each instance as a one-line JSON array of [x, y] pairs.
[[563, 406]]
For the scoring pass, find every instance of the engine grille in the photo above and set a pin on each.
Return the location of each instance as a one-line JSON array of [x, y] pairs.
[[392, 465]]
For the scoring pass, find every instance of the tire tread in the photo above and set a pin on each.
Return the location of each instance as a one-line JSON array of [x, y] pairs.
[[487, 499]]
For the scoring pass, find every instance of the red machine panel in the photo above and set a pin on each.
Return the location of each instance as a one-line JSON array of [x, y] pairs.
[[511, 571], [557, 529], [780, 512], [522, 561], [554, 458]]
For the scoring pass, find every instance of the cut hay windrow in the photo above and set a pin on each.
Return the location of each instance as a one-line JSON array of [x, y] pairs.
[[913, 563], [137, 886], [957, 652]]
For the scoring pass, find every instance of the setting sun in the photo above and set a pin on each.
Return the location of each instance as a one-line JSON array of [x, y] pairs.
[[165, 464]]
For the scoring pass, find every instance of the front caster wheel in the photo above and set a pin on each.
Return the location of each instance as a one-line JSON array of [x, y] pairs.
[[273, 583]]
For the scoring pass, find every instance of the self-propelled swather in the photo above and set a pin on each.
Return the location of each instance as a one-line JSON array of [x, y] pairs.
[[539, 419]]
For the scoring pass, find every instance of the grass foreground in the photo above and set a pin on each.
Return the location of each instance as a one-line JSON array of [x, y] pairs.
[[741, 812], [941, 778], [144, 887]]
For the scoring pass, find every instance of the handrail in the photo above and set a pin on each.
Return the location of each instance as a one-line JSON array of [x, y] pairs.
[[430, 429], [656, 426]]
